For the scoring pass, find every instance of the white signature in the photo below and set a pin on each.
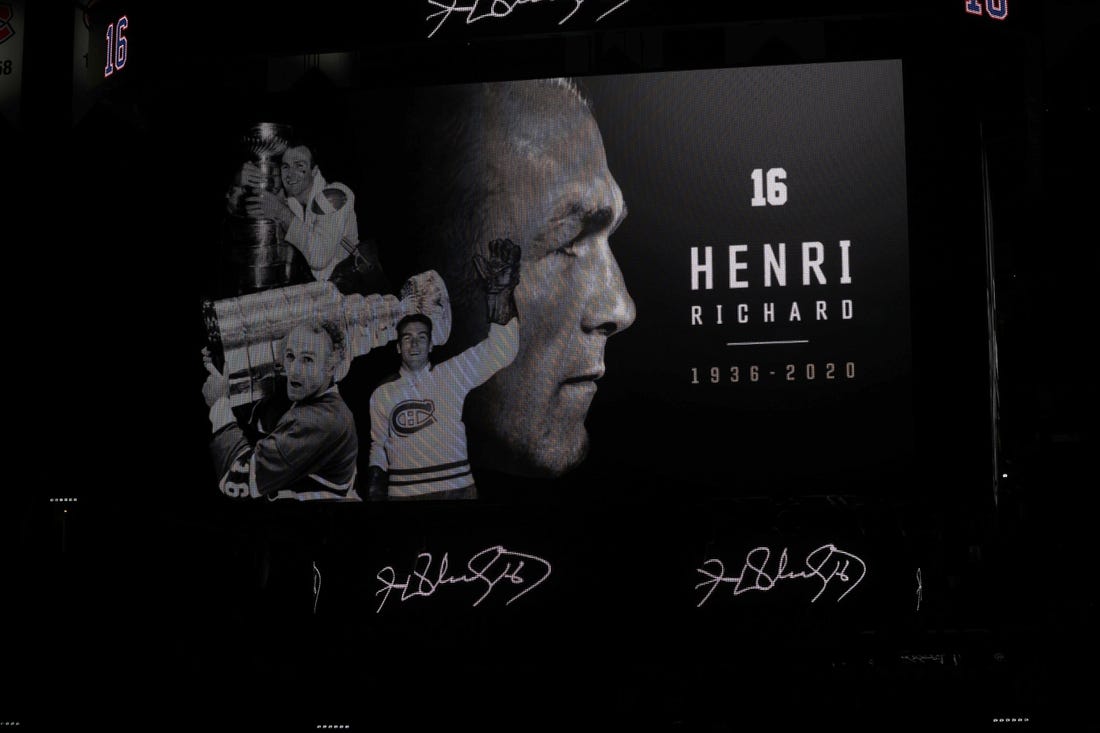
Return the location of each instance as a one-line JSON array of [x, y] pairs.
[[486, 569], [482, 9], [825, 565]]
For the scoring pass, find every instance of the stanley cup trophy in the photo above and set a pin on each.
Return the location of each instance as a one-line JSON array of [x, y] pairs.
[[259, 256], [245, 333]]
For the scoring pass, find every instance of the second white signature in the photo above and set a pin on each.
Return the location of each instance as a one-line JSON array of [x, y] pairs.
[[827, 566]]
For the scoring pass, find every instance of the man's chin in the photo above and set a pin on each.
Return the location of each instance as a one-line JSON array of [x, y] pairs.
[[550, 457], [297, 395]]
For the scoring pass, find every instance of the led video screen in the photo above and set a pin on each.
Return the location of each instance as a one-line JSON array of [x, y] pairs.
[[692, 279]]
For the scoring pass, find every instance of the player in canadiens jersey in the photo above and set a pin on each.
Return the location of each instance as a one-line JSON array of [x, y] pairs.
[[418, 440], [310, 451]]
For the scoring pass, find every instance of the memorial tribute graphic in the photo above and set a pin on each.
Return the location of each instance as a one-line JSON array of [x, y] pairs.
[[741, 234]]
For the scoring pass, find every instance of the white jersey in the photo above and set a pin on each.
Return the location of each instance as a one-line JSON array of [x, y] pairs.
[[417, 434], [316, 230]]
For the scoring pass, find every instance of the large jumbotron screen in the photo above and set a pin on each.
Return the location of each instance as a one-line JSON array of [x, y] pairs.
[[712, 291], [488, 366]]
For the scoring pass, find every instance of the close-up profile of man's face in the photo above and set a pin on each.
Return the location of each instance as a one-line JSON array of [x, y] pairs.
[[552, 194]]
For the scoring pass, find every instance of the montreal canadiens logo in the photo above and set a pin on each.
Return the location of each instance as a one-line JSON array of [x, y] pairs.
[[7, 30], [412, 415]]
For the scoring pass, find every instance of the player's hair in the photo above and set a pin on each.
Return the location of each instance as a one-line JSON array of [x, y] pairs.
[[301, 141], [335, 335], [414, 318], [569, 86]]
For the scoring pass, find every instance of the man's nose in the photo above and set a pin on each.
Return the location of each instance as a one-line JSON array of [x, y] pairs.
[[610, 308]]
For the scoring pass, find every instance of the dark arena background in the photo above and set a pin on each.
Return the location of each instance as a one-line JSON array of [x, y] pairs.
[[802, 441]]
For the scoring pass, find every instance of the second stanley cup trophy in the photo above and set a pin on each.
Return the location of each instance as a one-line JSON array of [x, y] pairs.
[[260, 257]]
